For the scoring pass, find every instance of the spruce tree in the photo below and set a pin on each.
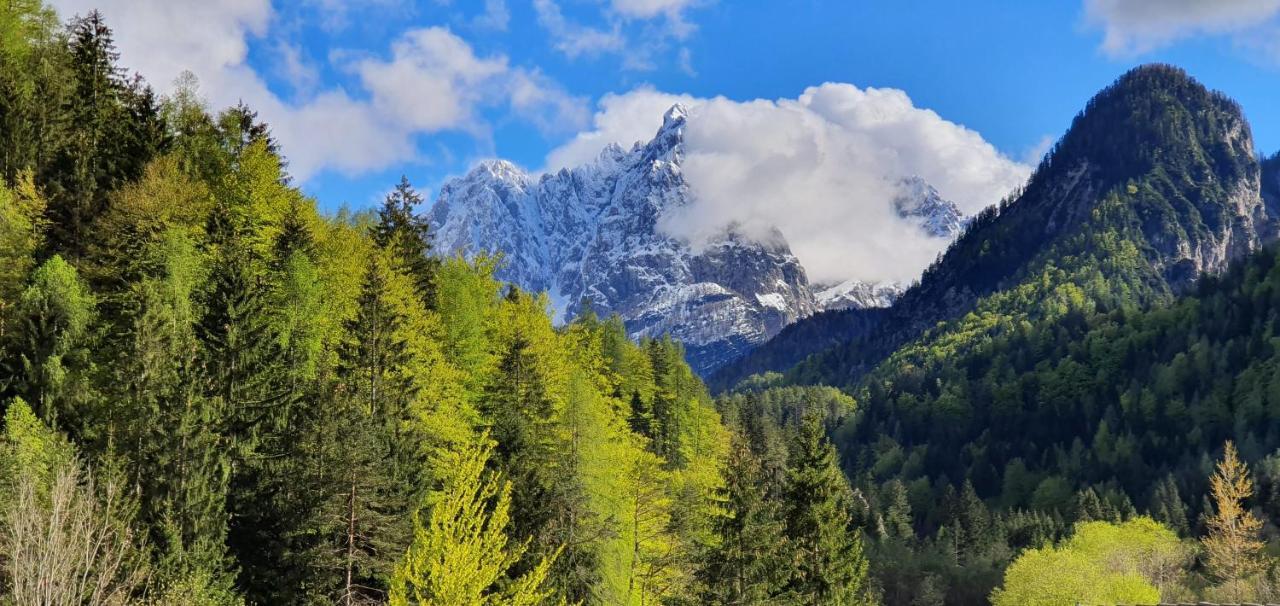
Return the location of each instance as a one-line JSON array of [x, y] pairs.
[[827, 560], [546, 491], [117, 128], [749, 566], [170, 429], [243, 364], [405, 235], [373, 476]]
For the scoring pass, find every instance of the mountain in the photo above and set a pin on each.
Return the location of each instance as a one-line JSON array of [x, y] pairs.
[[855, 294], [920, 203], [589, 236], [1155, 184]]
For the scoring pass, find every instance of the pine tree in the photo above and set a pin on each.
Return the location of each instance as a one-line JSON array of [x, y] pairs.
[[406, 237], [749, 566], [828, 563], [1233, 547]]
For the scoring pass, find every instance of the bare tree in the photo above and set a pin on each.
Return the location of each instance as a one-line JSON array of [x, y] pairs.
[[71, 545]]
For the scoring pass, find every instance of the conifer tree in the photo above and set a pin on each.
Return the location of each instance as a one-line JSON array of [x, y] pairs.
[[1168, 508], [48, 361], [116, 130], [531, 452], [405, 235], [376, 474], [827, 560], [181, 463], [1233, 547], [749, 566]]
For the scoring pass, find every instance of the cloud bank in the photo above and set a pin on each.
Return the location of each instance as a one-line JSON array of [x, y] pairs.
[[821, 167], [430, 81]]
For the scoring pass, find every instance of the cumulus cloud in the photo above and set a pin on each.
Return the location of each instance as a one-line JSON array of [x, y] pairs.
[[623, 119], [822, 168], [431, 81], [1134, 27]]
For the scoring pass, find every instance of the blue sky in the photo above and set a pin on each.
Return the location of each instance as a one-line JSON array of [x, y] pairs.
[[360, 92]]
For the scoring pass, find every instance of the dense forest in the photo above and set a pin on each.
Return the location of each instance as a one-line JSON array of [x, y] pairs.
[[214, 394], [1078, 368]]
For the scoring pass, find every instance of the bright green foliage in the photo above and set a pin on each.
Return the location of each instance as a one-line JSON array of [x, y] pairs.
[[1101, 563], [50, 342], [31, 451], [22, 227], [461, 553]]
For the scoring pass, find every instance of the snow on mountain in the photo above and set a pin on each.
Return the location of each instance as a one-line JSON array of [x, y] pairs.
[[856, 294], [920, 202], [589, 237]]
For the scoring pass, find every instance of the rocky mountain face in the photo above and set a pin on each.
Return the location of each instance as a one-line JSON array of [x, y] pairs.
[[1155, 184], [589, 237]]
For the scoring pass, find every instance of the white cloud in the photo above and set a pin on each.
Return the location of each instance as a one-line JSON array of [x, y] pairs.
[[495, 16], [648, 9], [432, 81], [293, 67], [637, 30], [574, 39], [1133, 27], [624, 119], [822, 168]]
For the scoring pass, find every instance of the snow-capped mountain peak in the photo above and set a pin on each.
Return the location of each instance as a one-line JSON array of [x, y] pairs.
[[920, 202], [590, 237]]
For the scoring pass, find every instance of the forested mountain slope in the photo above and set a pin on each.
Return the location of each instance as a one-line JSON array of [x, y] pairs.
[[1085, 415], [213, 394], [1155, 183]]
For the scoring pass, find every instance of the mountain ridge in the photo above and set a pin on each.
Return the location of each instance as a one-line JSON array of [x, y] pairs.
[[1104, 188], [591, 237]]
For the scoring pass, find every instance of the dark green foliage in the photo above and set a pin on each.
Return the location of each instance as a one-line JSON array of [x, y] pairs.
[[829, 565], [750, 565], [117, 129], [378, 472], [172, 432], [798, 341], [405, 234]]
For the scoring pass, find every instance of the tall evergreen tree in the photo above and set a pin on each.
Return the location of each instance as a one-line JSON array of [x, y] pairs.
[[827, 561], [117, 129], [377, 476], [405, 234], [749, 566]]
